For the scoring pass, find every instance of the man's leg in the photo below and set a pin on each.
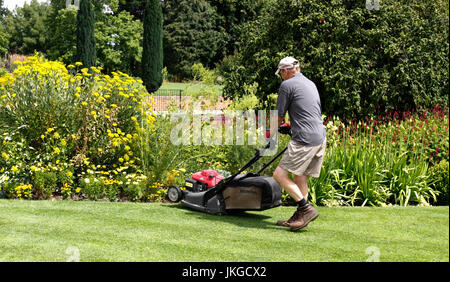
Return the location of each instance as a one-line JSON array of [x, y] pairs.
[[302, 183], [282, 177], [305, 212]]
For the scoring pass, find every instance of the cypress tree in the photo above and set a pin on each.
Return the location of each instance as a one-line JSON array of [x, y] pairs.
[[85, 34], [152, 53]]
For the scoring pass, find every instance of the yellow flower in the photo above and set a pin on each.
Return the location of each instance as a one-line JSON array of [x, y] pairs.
[[56, 135], [5, 155], [78, 63], [121, 160], [84, 103], [56, 150], [14, 169], [50, 130]]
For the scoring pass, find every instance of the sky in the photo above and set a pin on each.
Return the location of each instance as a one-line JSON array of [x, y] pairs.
[[11, 4]]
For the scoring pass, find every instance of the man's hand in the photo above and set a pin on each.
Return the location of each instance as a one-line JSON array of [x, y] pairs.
[[285, 128]]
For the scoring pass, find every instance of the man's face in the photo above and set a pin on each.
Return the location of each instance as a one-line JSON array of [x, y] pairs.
[[285, 74]]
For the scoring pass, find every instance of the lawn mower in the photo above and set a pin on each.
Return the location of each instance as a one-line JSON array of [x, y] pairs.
[[208, 191]]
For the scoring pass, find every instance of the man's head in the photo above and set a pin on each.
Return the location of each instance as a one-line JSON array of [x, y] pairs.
[[288, 67]]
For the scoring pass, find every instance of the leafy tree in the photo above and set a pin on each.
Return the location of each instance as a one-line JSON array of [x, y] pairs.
[[191, 35], [134, 7], [26, 28], [152, 56], [361, 59], [119, 43], [62, 35], [4, 41], [233, 16], [3, 10], [85, 34], [4, 37]]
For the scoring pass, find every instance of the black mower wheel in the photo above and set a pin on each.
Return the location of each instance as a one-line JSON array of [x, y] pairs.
[[174, 194]]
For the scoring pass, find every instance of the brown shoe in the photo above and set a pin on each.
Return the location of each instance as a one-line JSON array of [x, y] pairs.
[[305, 216], [286, 223]]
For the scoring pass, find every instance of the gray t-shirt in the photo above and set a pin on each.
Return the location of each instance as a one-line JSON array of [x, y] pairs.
[[299, 96]]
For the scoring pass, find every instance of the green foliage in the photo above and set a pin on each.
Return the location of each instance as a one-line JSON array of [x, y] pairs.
[[440, 181], [26, 28], [93, 188], [379, 162], [62, 35], [191, 35], [134, 7], [4, 41], [360, 59], [45, 183], [118, 40], [119, 43], [152, 54], [85, 34], [232, 17], [3, 10], [248, 100]]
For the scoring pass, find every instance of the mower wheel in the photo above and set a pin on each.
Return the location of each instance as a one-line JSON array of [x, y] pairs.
[[174, 194]]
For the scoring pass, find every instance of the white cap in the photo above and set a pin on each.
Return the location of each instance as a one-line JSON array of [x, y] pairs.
[[287, 63]]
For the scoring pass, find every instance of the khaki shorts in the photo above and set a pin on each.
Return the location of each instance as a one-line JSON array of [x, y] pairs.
[[303, 160]]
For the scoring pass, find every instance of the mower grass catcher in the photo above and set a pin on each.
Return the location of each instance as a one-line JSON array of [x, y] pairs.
[[210, 192]]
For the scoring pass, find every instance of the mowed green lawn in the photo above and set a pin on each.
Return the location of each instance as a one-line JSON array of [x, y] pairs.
[[104, 231]]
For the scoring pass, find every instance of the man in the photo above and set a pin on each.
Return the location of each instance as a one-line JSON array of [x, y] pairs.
[[299, 97]]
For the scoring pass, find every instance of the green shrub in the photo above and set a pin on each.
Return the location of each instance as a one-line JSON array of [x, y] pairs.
[[93, 188], [439, 174], [359, 58], [45, 183]]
